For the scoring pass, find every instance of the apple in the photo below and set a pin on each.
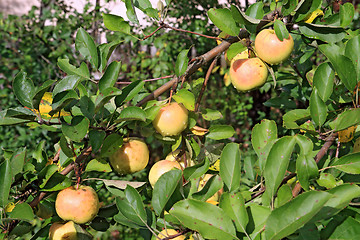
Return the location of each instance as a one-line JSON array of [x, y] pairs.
[[68, 231], [169, 232], [132, 156], [270, 49], [247, 73], [79, 205], [185, 157], [171, 120], [161, 167]]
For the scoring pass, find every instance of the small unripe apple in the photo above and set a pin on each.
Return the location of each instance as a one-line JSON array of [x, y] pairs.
[[132, 156], [247, 73], [171, 119], [169, 232], [270, 49], [79, 205], [67, 231], [185, 157], [161, 167]]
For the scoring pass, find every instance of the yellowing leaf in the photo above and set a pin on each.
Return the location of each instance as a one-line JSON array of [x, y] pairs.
[[227, 80], [212, 202], [347, 135], [199, 131], [45, 107], [9, 207], [311, 16], [215, 166]]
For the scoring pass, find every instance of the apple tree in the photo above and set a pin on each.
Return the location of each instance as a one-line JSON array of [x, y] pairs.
[[297, 180]]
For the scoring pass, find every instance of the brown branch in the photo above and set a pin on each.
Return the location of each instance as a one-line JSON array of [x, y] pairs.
[[208, 73], [147, 80], [196, 64], [146, 37]]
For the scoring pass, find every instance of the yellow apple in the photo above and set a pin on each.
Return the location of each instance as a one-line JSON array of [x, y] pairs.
[[78, 205], [270, 49], [169, 232], [171, 119], [67, 231], [247, 73], [185, 157], [133, 156], [161, 167]]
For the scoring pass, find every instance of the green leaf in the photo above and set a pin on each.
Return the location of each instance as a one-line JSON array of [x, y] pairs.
[[346, 119], [104, 97], [318, 109], [5, 182], [20, 112], [255, 11], [77, 130], [132, 113], [86, 46], [230, 166], [96, 139], [353, 46], [211, 188], [325, 33], [241, 18], [347, 230], [164, 188], [257, 218], [98, 165], [222, 18], [342, 65], [218, 132], [346, 12], [143, 4], [17, 161], [326, 180], [110, 76], [182, 61], [24, 89], [280, 30], [129, 92], [196, 171], [65, 147], [211, 115], [87, 107], [277, 163], [307, 169], [82, 71], [40, 93], [342, 196], [185, 97], [130, 11], [283, 195], [324, 77], [105, 50], [194, 214], [288, 7], [235, 49], [305, 8], [6, 121], [62, 99], [134, 198], [22, 211], [116, 23], [233, 205], [57, 182], [119, 183], [111, 144], [286, 219], [262, 135], [349, 163], [69, 82]]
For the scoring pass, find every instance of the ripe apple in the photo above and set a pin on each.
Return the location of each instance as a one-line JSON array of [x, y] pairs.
[[159, 168], [247, 73], [171, 119], [169, 232], [131, 157], [78, 205], [185, 157], [270, 49], [68, 231]]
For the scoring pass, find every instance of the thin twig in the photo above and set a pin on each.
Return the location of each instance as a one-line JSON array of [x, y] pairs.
[[186, 31], [146, 80], [151, 34], [208, 73]]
